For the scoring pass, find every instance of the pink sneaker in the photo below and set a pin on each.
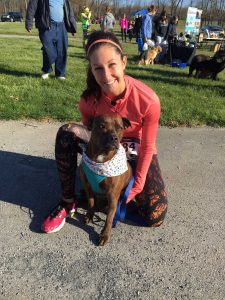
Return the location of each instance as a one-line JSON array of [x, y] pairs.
[[57, 218]]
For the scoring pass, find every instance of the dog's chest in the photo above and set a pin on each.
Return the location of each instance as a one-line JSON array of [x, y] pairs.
[[93, 178], [96, 172]]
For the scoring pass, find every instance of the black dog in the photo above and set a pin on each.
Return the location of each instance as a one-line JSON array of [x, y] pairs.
[[207, 67], [196, 60]]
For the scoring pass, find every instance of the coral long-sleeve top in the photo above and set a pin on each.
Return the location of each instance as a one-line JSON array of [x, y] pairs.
[[141, 106]]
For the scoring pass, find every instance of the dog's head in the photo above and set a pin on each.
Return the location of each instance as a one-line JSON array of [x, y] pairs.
[[159, 49], [107, 131], [219, 56], [152, 52]]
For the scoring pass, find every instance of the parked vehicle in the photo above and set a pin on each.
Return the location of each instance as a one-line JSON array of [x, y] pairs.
[[12, 16], [213, 31]]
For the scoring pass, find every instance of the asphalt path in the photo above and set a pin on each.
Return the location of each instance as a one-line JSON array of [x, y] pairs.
[[182, 259]]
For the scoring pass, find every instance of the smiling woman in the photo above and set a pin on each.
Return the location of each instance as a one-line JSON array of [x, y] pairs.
[[110, 92], [108, 70]]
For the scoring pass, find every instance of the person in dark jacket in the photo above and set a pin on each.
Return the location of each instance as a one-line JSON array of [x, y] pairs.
[[53, 19], [172, 29], [161, 28], [171, 37], [137, 27]]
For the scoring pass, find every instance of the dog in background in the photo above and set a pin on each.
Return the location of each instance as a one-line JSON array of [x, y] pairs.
[[196, 60], [206, 66], [99, 176], [150, 55]]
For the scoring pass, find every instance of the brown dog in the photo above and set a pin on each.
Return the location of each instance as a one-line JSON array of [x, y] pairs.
[[104, 147], [150, 56]]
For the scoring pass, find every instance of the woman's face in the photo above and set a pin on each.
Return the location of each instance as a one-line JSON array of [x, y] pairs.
[[108, 69]]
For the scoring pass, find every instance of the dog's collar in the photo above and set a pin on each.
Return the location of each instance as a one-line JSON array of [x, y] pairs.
[[114, 167]]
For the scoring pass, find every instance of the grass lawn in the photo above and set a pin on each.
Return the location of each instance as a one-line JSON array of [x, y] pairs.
[[23, 94]]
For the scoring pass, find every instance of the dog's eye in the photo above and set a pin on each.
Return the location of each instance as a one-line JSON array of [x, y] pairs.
[[118, 127], [102, 126]]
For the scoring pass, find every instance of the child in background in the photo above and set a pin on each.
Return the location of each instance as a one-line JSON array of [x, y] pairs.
[[85, 20], [130, 30]]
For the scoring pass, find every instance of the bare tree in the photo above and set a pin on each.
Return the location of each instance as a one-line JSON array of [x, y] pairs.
[[213, 10]]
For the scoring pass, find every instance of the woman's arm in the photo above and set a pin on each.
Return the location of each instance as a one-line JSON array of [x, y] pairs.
[[147, 149]]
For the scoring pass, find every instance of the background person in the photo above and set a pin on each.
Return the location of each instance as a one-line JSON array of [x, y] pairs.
[[85, 20], [124, 27], [171, 37], [147, 27], [130, 30], [147, 30], [137, 27], [53, 20], [161, 27], [110, 91], [108, 21]]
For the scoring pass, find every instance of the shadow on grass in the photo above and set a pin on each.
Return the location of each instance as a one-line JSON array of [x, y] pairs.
[[18, 73], [78, 55], [174, 77], [32, 183]]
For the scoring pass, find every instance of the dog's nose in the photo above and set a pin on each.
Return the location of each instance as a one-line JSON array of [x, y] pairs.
[[113, 138]]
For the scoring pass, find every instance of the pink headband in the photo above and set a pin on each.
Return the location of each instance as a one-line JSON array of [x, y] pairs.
[[104, 41]]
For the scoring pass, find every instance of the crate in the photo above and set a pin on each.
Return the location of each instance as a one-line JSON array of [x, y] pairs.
[[178, 65]]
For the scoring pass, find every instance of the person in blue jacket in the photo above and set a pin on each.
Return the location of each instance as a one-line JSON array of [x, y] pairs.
[[53, 19], [147, 30], [147, 27]]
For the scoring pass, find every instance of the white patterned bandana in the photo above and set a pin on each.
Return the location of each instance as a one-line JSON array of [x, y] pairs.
[[113, 167]]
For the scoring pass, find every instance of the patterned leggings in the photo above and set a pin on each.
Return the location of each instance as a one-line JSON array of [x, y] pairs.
[[151, 203]]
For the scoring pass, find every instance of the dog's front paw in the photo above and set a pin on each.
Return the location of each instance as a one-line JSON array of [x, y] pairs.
[[88, 218], [104, 238]]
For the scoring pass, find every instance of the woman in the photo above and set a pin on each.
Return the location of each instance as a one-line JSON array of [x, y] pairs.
[[171, 37], [172, 29], [108, 21], [161, 28], [124, 27], [110, 91]]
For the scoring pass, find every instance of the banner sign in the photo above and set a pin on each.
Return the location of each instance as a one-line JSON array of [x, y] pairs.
[[193, 21]]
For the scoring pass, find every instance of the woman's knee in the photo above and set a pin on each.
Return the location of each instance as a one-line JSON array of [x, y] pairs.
[[156, 215], [65, 139], [154, 210]]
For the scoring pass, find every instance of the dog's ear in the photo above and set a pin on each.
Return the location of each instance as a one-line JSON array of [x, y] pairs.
[[89, 124], [126, 123], [159, 49]]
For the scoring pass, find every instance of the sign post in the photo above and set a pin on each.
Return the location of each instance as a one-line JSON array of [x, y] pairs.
[[193, 21]]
